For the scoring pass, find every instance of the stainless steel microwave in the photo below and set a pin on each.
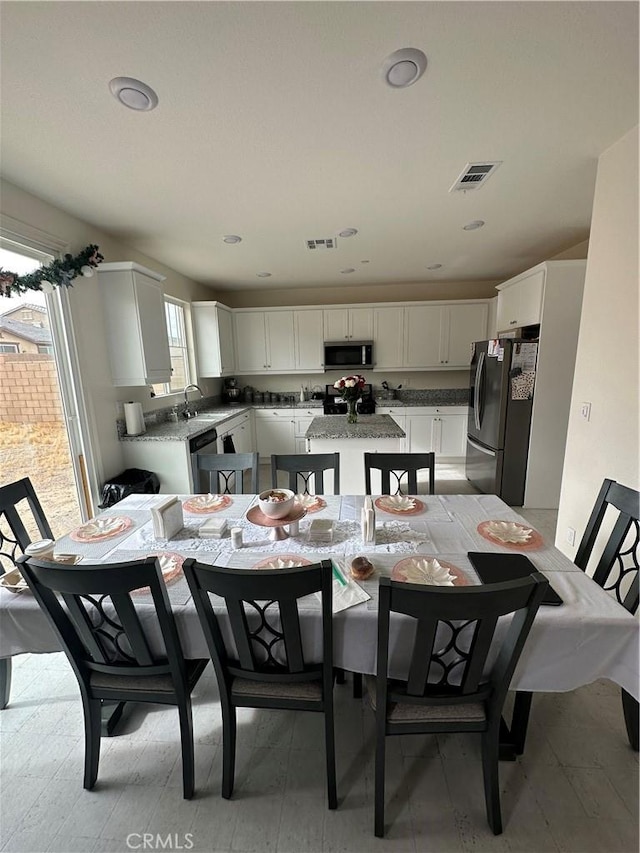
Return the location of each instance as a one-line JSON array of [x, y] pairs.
[[348, 354]]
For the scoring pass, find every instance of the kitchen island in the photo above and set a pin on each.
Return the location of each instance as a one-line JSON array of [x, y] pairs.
[[371, 434]]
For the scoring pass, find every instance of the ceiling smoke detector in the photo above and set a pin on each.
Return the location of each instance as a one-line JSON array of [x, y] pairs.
[[403, 67], [133, 94]]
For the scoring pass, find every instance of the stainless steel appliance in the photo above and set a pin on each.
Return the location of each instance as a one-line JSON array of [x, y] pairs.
[[341, 355], [335, 405], [206, 442], [231, 393], [500, 406]]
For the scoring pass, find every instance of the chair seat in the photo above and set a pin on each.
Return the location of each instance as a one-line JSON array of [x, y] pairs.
[[146, 684], [305, 690], [406, 712]]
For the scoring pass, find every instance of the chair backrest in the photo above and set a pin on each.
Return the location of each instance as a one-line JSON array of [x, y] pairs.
[[99, 627], [301, 467], [455, 629], [262, 607], [14, 536], [226, 472], [399, 465], [617, 566]]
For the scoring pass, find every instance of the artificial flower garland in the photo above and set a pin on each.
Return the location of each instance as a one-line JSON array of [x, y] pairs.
[[59, 272]]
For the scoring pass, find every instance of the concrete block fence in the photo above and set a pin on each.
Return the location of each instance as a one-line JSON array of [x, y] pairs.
[[29, 391]]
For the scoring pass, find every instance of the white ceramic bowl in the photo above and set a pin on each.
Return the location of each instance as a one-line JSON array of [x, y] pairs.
[[276, 508]]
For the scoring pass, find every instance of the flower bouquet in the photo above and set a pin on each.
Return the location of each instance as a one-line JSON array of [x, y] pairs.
[[350, 389]]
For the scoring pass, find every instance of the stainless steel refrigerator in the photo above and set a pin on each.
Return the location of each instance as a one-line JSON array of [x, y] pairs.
[[502, 383]]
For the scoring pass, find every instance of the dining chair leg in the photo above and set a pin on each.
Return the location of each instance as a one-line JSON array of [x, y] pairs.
[[5, 682], [630, 710], [340, 677], [330, 749], [379, 780], [520, 720], [92, 724], [490, 755], [357, 685], [186, 743], [228, 749]]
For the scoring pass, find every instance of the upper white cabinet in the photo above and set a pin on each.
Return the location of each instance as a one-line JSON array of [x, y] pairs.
[[520, 300], [213, 331], [354, 324], [133, 306], [441, 335], [388, 337], [264, 341], [309, 349]]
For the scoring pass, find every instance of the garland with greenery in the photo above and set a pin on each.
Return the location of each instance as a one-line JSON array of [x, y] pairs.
[[60, 272]]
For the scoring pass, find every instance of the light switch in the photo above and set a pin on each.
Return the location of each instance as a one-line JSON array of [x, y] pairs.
[[571, 535], [585, 411]]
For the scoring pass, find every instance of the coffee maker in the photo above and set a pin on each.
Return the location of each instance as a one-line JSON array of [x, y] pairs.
[[230, 391]]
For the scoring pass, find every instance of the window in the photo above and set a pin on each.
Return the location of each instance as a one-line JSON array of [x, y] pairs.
[[180, 373], [45, 349], [9, 348]]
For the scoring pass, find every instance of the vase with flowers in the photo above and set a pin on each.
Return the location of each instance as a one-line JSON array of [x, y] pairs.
[[350, 389]]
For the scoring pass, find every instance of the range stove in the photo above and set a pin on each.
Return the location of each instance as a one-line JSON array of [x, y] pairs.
[[335, 405]]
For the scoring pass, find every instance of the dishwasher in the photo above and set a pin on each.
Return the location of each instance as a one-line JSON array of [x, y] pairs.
[[206, 442]]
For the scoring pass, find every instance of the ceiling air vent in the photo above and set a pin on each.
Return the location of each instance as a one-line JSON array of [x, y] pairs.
[[327, 243], [474, 175]]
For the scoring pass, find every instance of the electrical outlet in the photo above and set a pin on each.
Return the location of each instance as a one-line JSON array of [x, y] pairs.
[[585, 411], [571, 536]]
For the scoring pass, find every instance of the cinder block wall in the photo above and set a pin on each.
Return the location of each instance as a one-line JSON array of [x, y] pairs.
[[29, 391]]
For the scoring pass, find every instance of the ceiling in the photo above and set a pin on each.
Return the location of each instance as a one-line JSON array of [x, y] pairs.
[[274, 124]]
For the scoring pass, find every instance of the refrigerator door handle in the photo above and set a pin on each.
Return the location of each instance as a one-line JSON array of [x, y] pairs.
[[476, 392], [480, 447]]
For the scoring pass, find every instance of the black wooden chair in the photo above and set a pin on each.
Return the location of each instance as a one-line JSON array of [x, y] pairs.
[[447, 688], [113, 658], [615, 569], [267, 667], [226, 472], [15, 517], [302, 467], [400, 465]]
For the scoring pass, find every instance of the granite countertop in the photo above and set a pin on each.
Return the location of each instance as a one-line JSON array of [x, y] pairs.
[[367, 426]]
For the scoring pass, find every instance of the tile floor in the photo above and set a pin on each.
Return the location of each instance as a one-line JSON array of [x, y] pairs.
[[575, 789]]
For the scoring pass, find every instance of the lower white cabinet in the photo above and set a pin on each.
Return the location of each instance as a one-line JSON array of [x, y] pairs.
[[438, 430], [275, 432], [399, 414], [241, 431]]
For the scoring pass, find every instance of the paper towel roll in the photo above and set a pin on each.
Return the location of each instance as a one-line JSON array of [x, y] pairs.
[[134, 418]]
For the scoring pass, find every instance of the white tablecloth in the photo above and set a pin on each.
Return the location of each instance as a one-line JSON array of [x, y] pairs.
[[590, 636]]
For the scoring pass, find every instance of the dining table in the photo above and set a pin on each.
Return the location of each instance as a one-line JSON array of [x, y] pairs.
[[417, 538]]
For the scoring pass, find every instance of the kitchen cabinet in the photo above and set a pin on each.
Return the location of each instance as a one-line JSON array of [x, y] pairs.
[[240, 430], [342, 324], [398, 413], [520, 300], [213, 332], [302, 421], [264, 341], [308, 341], [438, 430], [441, 335], [275, 432], [136, 328], [388, 338]]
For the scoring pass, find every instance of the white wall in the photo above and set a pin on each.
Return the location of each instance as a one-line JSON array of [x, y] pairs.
[[607, 360]]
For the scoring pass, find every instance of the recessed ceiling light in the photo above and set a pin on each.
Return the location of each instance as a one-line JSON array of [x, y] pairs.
[[471, 226], [435, 267], [348, 232], [263, 274], [232, 238], [133, 93], [365, 262], [403, 67], [348, 270]]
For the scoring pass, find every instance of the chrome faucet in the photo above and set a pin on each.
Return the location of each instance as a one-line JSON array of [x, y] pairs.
[[190, 413]]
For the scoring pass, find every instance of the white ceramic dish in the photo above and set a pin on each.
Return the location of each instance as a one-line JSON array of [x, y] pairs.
[[276, 508]]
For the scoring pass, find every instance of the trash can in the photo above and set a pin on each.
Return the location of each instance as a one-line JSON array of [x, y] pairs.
[[129, 482]]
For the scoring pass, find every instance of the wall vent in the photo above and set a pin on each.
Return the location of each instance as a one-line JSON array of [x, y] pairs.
[[474, 175], [327, 243]]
